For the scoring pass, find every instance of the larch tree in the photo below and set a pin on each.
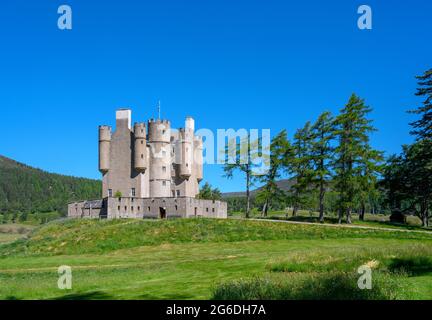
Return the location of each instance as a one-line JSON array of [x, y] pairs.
[[280, 153], [301, 167], [422, 128], [241, 157], [352, 132], [322, 132]]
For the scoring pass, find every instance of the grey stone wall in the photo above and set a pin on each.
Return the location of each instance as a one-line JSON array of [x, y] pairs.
[[156, 208]]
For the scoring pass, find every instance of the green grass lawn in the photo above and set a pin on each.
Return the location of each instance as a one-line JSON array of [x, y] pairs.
[[194, 258]]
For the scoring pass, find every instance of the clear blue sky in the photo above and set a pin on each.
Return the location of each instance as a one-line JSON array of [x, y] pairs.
[[228, 63]]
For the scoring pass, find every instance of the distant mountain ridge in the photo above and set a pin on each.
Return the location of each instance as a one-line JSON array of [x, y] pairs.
[[27, 189], [283, 184]]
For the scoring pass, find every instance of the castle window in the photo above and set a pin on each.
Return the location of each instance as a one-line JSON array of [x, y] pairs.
[[139, 208], [212, 209], [163, 169], [109, 192], [132, 208], [118, 208], [207, 209], [163, 153], [133, 192], [178, 193], [142, 130], [164, 183], [125, 208], [142, 141], [163, 131], [187, 164], [142, 156], [176, 207], [173, 193], [149, 209]]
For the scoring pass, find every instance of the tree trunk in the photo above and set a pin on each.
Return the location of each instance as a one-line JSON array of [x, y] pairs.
[[265, 209], [339, 216], [321, 203], [425, 221], [247, 195], [294, 213], [362, 212], [348, 216]]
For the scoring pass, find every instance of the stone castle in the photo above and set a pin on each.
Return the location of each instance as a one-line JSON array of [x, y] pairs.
[[149, 172]]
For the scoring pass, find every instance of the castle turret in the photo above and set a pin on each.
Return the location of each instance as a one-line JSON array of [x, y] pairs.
[[198, 157], [186, 136], [104, 148], [140, 147], [159, 133]]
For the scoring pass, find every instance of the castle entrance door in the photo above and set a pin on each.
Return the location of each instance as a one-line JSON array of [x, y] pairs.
[[162, 212]]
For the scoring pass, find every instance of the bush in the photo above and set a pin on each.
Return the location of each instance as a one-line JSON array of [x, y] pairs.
[[328, 286]]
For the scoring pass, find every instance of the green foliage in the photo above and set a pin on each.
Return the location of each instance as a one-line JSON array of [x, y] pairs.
[[408, 179], [355, 162], [241, 156], [209, 193], [321, 155], [422, 128], [118, 194], [280, 155], [25, 190], [301, 168]]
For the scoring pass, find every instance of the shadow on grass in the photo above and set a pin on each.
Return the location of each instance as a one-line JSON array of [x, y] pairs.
[[335, 220], [93, 295], [413, 266], [175, 296]]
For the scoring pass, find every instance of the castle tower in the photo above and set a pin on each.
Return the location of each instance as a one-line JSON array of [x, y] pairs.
[[104, 148], [198, 158], [186, 136], [140, 147], [159, 133]]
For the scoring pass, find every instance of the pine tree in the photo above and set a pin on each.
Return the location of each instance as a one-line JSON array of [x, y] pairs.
[[352, 132], [209, 193], [422, 128], [301, 167], [280, 153], [370, 166], [321, 155], [246, 153]]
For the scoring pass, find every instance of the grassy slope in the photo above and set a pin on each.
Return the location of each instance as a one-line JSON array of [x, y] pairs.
[[183, 258]]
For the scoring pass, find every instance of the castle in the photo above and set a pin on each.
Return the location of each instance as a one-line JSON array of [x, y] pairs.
[[149, 172]]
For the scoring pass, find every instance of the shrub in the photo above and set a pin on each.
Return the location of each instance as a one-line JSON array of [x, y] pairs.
[[328, 286]]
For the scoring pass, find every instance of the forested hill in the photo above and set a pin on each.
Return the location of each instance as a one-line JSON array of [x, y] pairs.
[[24, 189]]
